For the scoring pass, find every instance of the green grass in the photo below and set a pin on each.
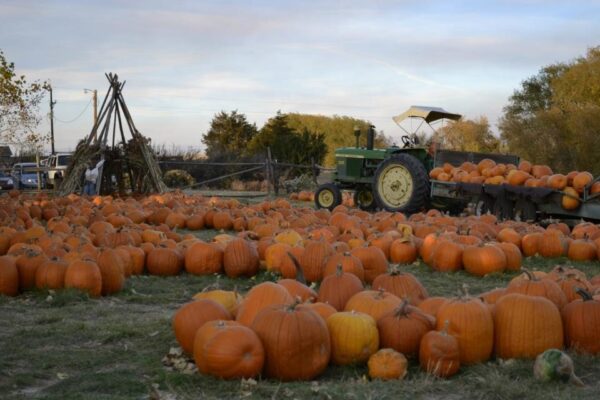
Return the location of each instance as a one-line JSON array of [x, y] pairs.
[[66, 346]]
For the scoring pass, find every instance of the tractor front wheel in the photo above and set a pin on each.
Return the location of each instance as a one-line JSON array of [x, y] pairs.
[[328, 196], [401, 184], [364, 199]]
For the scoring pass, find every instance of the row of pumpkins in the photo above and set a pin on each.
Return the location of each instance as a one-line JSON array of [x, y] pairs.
[[268, 332], [79, 242], [489, 172]]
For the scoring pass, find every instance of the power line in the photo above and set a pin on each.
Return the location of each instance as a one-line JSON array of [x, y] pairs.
[[77, 117]]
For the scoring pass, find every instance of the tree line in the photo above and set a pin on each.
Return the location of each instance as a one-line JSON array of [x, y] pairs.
[[551, 118]]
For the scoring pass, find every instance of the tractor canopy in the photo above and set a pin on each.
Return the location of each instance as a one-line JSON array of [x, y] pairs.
[[429, 114]]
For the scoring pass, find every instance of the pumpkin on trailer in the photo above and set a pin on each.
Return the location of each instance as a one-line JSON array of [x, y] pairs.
[[402, 284], [296, 341], [471, 322], [439, 353], [191, 316], [354, 337], [228, 350], [387, 364], [525, 326], [403, 328], [581, 319]]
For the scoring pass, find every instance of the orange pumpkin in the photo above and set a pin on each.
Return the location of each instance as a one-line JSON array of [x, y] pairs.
[[439, 353], [192, 316], [403, 328], [228, 350], [300, 347], [387, 364]]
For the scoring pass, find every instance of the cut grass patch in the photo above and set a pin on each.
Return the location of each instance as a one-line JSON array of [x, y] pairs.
[[65, 345]]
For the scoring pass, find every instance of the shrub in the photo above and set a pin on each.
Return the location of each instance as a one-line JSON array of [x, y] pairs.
[[178, 178]]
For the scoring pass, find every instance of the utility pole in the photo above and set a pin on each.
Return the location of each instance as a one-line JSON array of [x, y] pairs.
[[52, 103], [95, 100]]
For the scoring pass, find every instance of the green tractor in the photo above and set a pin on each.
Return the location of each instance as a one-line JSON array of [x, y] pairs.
[[395, 179]]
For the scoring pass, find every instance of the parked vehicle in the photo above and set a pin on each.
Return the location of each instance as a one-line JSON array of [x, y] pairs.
[[6, 181], [57, 165], [25, 176]]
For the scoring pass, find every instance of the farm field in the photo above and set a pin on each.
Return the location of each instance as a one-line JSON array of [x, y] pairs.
[[66, 345]]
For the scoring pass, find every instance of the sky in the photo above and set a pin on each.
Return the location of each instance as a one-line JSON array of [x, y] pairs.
[[185, 61]]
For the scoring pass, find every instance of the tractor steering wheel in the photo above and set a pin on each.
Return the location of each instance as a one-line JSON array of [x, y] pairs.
[[406, 141]]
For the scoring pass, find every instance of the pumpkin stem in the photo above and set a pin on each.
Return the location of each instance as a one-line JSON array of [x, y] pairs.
[[380, 294], [444, 330], [393, 270], [401, 310], [339, 270], [464, 291], [297, 301], [299, 273], [530, 275], [585, 295]]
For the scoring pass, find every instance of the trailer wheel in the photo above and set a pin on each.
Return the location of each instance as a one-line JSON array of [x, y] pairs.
[[484, 205], [503, 208], [401, 184], [525, 210], [364, 199], [328, 196]]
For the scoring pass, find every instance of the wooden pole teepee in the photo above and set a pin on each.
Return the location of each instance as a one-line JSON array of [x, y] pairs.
[[128, 164]]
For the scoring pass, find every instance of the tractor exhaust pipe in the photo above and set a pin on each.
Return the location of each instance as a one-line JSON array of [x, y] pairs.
[[370, 137], [357, 135]]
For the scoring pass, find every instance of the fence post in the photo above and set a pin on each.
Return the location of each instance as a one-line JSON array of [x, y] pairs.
[[315, 170], [268, 171]]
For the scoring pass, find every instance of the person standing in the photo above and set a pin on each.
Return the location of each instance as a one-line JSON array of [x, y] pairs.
[[91, 177]]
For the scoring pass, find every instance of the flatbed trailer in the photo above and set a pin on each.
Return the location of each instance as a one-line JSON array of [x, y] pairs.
[[506, 201]]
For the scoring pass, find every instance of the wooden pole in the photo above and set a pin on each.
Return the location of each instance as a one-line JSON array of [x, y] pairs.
[[52, 103], [39, 176], [268, 171]]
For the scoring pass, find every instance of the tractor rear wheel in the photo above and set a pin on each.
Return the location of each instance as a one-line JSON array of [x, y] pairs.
[[401, 184], [364, 199], [328, 196]]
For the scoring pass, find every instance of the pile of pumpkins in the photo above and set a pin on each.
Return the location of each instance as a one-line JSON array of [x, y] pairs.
[[288, 331], [95, 243], [488, 172]]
